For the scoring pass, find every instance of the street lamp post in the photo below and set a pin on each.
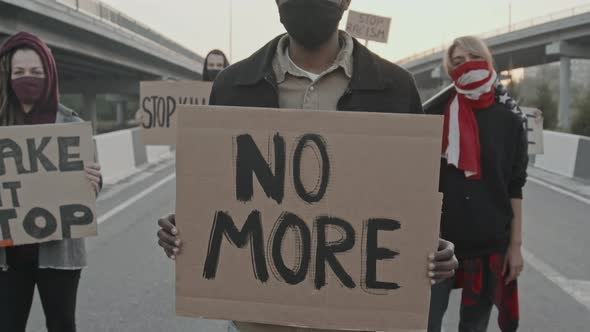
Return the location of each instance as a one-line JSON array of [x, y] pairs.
[[510, 16], [231, 14]]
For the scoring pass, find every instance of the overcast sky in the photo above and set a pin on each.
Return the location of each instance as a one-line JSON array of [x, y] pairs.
[[417, 25]]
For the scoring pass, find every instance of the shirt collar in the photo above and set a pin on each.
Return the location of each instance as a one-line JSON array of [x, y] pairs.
[[282, 64]]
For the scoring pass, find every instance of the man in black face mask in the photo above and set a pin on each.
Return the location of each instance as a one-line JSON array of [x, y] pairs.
[[315, 66], [215, 62]]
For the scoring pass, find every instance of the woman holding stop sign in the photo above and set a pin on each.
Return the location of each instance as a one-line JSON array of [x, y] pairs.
[[29, 96]]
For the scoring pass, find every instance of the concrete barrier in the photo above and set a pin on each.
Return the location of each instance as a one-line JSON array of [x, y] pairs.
[[155, 153], [561, 151], [583, 162], [115, 154], [120, 153], [565, 154], [139, 148]]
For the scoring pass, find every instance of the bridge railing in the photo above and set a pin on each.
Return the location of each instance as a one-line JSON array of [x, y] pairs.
[[105, 12], [507, 29]]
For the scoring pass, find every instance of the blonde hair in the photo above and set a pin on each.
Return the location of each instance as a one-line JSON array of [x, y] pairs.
[[471, 44]]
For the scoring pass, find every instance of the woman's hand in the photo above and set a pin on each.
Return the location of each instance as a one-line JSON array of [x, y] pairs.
[[139, 117], [94, 176], [513, 263], [443, 263]]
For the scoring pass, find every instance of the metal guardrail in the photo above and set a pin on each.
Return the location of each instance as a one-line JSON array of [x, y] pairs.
[[507, 29], [108, 14]]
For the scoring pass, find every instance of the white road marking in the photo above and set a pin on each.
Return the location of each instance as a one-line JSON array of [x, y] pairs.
[[559, 190], [582, 291], [578, 289], [135, 198], [143, 174]]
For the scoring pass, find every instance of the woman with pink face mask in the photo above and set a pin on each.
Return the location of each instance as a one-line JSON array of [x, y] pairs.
[[483, 171], [29, 96]]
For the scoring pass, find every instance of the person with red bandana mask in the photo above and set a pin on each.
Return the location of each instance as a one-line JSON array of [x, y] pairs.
[[29, 96], [483, 171]]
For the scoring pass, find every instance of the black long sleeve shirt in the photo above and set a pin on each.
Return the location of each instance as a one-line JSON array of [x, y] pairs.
[[477, 214]]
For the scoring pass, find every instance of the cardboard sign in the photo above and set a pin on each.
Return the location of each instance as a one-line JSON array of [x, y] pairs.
[[159, 102], [535, 129], [44, 192], [368, 27], [307, 218]]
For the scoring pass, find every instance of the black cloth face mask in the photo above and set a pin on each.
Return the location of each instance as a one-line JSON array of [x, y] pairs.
[[213, 74], [311, 22]]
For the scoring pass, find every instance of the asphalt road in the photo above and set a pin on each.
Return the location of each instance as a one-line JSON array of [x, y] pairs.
[[129, 284]]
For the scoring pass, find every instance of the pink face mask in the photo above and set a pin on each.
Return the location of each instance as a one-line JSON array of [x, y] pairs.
[[28, 89]]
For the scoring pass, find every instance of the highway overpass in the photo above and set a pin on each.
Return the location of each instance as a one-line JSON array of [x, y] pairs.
[[558, 37], [98, 50]]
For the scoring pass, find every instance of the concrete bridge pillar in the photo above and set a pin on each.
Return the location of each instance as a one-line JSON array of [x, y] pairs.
[[439, 73], [565, 74], [566, 51], [89, 113], [120, 107], [119, 102]]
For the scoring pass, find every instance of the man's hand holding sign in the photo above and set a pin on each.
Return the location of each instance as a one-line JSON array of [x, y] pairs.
[[442, 264], [288, 218]]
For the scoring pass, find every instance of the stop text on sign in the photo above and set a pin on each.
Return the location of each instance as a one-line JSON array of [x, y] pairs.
[[44, 194], [158, 110], [369, 27]]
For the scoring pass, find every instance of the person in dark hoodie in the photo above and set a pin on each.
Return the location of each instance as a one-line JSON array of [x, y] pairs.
[[316, 67], [483, 171], [29, 96], [215, 62]]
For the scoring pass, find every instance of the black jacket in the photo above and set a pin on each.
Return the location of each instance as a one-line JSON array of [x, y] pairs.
[[376, 85], [477, 214]]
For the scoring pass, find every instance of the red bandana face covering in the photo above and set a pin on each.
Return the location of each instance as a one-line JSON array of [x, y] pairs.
[[474, 85]]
